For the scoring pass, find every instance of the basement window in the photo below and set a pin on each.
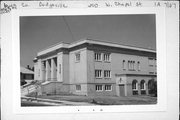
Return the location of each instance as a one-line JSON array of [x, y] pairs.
[[78, 87]]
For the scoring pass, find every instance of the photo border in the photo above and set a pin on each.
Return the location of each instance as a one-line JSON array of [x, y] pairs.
[[161, 60]]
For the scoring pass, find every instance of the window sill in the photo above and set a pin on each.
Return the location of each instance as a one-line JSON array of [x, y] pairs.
[[107, 61], [98, 60], [99, 90], [108, 90]]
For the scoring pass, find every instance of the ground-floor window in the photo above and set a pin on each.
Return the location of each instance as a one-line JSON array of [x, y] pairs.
[[108, 87], [99, 87], [78, 87], [143, 87], [135, 87]]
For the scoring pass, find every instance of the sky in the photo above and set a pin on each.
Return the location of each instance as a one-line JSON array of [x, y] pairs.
[[39, 32]]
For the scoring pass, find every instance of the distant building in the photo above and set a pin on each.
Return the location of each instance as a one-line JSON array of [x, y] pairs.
[[27, 75], [91, 67]]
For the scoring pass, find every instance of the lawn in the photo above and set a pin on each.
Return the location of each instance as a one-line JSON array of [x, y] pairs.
[[27, 103], [104, 100]]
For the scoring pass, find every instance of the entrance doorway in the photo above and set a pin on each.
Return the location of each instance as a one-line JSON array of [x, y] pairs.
[[121, 90]]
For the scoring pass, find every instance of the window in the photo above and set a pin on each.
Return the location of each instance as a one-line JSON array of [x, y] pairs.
[[107, 73], [123, 65], [99, 88], [151, 61], [133, 62], [107, 57], [77, 55], [131, 65], [108, 87], [135, 87], [78, 87], [143, 85], [98, 73], [138, 66], [97, 57]]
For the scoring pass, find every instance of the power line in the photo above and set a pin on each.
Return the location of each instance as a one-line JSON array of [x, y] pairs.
[[68, 27]]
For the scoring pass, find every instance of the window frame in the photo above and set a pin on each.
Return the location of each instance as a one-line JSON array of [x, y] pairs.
[[99, 90], [108, 55], [105, 88], [78, 86], [144, 85], [95, 58], [108, 73], [136, 84], [98, 73]]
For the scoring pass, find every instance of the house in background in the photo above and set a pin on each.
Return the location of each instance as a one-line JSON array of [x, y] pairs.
[[92, 67], [27, 75]]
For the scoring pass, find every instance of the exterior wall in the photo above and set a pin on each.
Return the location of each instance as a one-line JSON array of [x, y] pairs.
[[78, 71], [116, 67], [138, 78], [83, 90], [92, 65], [71, 73], [92, 90], [117, 64], [51, 88]]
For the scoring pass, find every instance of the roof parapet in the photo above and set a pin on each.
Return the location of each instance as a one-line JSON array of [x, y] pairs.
[[90, 41]]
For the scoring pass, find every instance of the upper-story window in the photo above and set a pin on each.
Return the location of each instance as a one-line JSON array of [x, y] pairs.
[[123, 64], [107, 74], [77, 57], [106, 57], [98, 57], [131, 65], [138, 66], [151, 61], [98, 73]]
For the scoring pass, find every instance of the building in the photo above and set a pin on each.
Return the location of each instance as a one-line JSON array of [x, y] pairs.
[[91, 67], [27, 75]]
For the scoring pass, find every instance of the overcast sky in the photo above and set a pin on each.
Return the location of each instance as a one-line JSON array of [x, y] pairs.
[[37, 33]]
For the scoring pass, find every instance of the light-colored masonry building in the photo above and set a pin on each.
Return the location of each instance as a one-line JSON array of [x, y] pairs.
[[91, 67]]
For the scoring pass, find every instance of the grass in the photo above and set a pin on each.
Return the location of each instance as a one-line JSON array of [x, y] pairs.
[[104, 100], [27, 103]]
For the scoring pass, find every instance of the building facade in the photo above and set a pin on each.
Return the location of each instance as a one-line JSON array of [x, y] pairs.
[[91, 67]]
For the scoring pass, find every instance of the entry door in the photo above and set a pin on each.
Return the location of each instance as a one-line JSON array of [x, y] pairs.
[[121, 90]]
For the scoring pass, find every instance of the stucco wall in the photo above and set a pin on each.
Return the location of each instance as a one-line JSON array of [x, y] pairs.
[[138, 78], [92, 90], [78, 70]]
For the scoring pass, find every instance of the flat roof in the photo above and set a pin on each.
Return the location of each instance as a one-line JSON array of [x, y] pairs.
[[91, 41]]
